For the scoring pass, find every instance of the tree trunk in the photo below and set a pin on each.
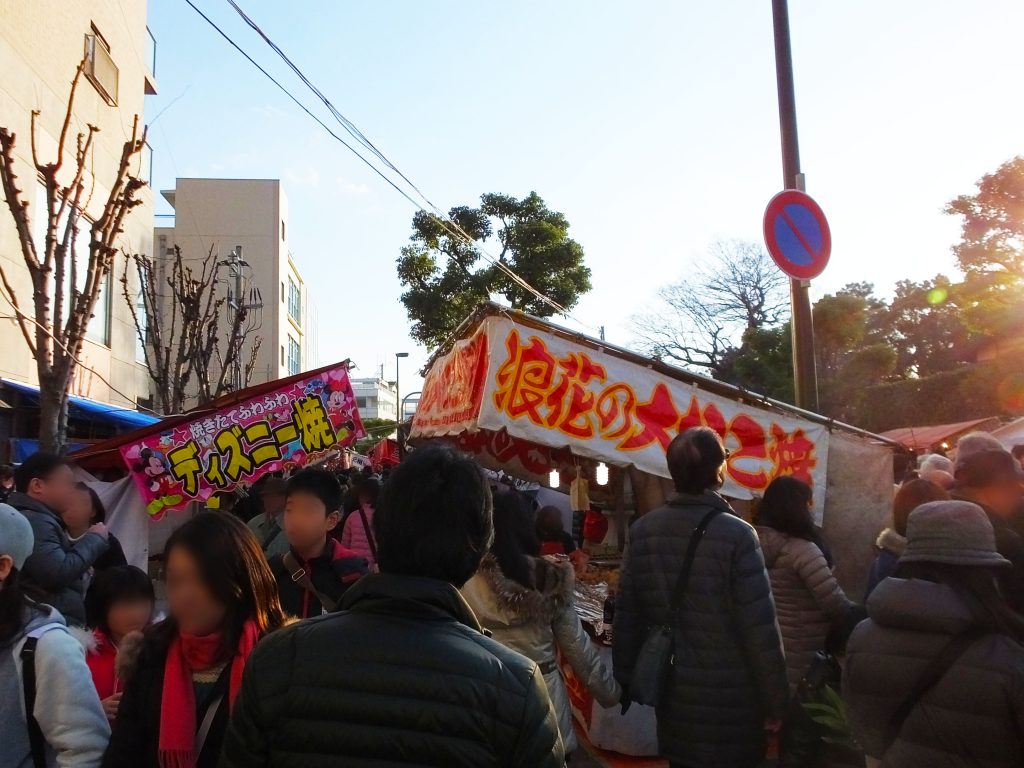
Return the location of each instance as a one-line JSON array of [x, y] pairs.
[[53, 416]]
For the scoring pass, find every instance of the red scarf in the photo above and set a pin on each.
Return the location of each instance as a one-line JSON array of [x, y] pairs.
[[188, 654]]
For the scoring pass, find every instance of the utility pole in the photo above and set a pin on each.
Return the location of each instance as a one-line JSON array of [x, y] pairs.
[[237, 303], [805, 377]]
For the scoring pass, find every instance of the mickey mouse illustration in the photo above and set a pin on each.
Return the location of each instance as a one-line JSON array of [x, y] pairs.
[[158, 480]]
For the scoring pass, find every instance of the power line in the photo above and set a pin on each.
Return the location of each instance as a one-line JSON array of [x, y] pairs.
[[451, 226]]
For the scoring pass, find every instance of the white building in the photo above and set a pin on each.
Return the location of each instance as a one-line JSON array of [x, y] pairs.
[[252, 213], [42, 43], [376, 398]]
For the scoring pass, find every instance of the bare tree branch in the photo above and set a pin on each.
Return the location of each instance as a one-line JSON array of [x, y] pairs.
[[701, 318]]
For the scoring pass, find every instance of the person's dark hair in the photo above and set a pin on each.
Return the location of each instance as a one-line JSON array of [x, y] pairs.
[[13, 603], [6, 472], [122, 583], [515, 540], [696, 459], [235, 571], [99, 512], [369, 489], [911, 495], [434, 516], [841, 629], [319, 483], [786, 508], [978, 588], [38, 465]]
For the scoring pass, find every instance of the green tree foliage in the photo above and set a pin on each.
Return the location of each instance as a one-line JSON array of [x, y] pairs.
[[446, 277], [763, 363]]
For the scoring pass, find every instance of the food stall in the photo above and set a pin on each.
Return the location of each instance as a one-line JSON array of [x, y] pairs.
[[549, 405], [200, 459]]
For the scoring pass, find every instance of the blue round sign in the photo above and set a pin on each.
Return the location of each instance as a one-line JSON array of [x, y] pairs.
[[797, 234]]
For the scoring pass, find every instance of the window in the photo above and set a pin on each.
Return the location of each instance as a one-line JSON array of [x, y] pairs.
[[282, 230], [360, 402], [100, 67], [294, 302], [282, 354], [294, 357], [282, 293]]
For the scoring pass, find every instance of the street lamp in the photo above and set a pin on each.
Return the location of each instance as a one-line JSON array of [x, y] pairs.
[[398, 390]]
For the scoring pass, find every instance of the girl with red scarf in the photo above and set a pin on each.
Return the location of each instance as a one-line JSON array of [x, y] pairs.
[[222, 598]]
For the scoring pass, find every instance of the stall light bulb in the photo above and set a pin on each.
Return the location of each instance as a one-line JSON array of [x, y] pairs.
[[601, 474], [554, 480]]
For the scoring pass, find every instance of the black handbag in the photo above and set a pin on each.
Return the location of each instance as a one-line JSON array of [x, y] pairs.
[[649, 680]]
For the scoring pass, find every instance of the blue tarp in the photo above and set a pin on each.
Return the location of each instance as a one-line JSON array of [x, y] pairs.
[[23, 447], [91, 410]]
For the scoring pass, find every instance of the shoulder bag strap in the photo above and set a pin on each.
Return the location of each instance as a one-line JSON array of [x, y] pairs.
[[369, 533], [691, 552], [207, 723], [932, 674], [28, 681], [271, 534], [300, 577]]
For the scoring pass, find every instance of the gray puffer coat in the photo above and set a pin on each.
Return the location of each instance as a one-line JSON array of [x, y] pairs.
[[807, 597], [729, 672], [537, 623], [974, 716]]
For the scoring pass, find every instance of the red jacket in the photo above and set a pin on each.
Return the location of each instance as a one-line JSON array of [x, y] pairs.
[[100, 655], [331, 573]]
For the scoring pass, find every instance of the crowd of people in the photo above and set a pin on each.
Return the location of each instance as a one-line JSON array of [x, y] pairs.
[[422, 620]]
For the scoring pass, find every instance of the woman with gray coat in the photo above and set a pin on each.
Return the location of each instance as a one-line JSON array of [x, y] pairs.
[[808, 599], [525, 602], [727, 686], [935, 676]]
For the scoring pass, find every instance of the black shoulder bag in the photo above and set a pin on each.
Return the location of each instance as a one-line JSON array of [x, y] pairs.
[[931, 676], [649, 680], [28, 682]]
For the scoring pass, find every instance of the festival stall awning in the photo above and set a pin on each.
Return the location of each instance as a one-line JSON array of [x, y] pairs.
[[275, 426], [525, 395], [935, 436], [90, 410], [385, 453]]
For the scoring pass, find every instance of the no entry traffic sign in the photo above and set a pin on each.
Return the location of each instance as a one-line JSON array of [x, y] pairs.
[[797, 234]]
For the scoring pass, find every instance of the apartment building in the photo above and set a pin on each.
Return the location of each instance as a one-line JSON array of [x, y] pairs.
[[375, 398], [42, 43], [250, 214]]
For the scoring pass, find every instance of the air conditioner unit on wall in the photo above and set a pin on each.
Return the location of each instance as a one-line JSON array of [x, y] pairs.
[[101, 69]]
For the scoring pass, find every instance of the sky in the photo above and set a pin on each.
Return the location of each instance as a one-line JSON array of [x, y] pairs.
[[653, 126]]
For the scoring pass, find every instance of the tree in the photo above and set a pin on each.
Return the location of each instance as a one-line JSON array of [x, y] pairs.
[[702, 318], [182, 330], [63, 301], [445, 278], [991, 251], [376, 430], [763, 363]]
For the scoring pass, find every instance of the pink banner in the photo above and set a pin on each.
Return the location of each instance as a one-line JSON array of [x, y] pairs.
[[280, 430]]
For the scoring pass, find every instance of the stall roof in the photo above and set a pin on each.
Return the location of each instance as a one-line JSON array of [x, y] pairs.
[[107, 455], [923, 438], [490, 309], [91, 410]]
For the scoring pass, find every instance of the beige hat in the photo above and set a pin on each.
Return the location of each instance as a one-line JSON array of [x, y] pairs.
[[952, 533]]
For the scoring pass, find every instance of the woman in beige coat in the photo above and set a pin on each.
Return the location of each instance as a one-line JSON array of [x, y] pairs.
[[525, 602], [807, 596]]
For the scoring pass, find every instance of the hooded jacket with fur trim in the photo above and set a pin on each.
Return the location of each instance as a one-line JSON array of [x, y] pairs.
[[536, 623], [890, 546]]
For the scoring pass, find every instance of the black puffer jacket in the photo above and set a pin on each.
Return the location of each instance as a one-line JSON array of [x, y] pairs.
[[729, 672], [401, 675]]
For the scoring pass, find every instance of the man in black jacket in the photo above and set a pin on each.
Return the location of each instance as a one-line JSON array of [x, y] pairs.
[[316, 570], [403, 673], [44, 486], [727, 684]]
